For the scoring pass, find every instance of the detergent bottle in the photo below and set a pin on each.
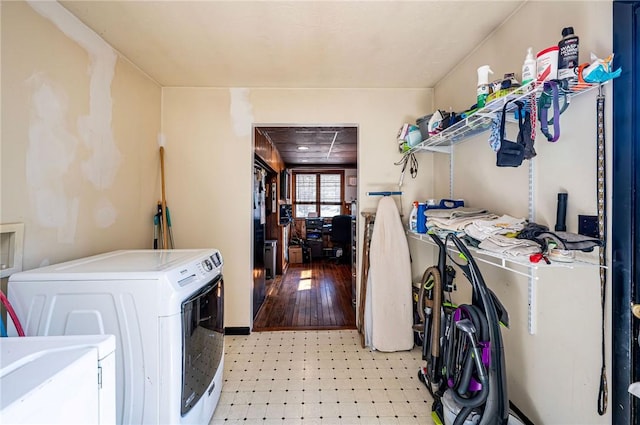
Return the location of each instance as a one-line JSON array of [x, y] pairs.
[[567, 54], [421, 226], [413, 218], [483, 85]]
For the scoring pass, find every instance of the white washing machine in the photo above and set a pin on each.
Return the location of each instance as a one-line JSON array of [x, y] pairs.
[[58, 380], [165, 308]]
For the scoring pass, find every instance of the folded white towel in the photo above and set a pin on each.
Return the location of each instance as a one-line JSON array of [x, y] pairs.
[[481, 229], [456, 212], [509, 246], [455, 224]]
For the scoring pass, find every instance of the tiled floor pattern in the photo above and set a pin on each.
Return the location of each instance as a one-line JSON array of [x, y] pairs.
[[319, 377]]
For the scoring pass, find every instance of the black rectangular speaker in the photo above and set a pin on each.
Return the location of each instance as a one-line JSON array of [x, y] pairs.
[[588, 226]]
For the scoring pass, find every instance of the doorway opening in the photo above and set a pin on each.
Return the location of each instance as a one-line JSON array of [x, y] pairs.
[[310, 214]]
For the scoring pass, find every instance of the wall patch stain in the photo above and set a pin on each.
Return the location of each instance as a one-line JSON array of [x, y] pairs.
[[67, 232], [104, 213], [50, 153], [94, 129], [241, 111]]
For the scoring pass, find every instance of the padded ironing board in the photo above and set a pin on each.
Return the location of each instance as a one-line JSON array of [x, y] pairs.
[[389, 309]]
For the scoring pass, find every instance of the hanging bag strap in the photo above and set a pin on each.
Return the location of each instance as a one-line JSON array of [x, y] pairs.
[[520, 105]]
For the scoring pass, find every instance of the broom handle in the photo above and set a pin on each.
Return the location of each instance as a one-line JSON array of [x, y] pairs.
[[165, 242]]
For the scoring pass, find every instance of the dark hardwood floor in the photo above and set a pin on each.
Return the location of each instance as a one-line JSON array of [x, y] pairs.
[[308, 296]]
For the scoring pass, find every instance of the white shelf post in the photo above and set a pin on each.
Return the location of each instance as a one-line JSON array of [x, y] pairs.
[[532, 285]]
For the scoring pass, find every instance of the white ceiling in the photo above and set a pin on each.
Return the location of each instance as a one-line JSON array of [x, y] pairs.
[[319, 44]]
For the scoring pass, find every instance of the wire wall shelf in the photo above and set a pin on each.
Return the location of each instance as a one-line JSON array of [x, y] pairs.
[[518, 265], [480, 121]]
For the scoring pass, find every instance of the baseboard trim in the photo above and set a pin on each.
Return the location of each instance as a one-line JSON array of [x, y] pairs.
[[241, 330]]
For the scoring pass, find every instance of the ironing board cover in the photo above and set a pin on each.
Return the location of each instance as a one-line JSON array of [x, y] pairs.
[[388, 307]]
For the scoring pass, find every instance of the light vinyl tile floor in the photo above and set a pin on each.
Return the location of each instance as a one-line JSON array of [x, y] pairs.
[[319, 377]]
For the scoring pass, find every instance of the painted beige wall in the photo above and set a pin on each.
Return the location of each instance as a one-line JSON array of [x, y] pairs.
[[554, 374], [79, 154], [209, 161]]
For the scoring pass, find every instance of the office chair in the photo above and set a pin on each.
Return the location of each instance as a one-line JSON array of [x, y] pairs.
[[341, 236]]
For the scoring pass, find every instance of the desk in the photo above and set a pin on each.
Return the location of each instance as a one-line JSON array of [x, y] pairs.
[[314, 229]]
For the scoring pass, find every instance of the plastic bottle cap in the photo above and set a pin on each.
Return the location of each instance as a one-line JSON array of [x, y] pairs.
[[567, 31]]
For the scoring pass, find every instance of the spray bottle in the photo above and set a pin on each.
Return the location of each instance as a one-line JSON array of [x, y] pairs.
[[528, 68], [483, 85]]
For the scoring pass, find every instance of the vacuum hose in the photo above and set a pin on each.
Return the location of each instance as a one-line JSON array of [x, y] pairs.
[[462, 416], [433, 280], [474, 358], [465, 379], [473, 402]]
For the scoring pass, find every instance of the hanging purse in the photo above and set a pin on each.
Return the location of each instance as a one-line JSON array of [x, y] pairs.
[[511, 154]]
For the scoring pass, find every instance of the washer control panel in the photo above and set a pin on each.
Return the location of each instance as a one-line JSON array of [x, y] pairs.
[[206, 265]]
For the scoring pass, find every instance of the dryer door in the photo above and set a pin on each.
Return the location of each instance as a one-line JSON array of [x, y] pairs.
[[202, 341]]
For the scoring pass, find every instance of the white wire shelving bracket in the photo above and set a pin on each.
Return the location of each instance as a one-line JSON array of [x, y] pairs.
[[532, 281], [451, 174]]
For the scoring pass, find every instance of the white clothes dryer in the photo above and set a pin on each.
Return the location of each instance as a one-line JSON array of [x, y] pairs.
[[165, 308]]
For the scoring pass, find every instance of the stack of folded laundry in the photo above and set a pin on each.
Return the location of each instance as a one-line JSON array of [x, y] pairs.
[[455, 219], [506, 235], [510, 247], [483, 229], [498, 235]]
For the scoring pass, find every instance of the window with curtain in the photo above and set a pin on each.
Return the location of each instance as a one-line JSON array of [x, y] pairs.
[[317, 192]]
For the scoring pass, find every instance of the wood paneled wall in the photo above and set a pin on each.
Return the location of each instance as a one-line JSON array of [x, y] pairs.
[[268, 152]]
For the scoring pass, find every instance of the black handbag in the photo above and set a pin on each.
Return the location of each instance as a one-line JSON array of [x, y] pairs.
[[511, 154]]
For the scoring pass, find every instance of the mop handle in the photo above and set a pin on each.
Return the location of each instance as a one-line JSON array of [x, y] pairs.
[[165, 241]]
